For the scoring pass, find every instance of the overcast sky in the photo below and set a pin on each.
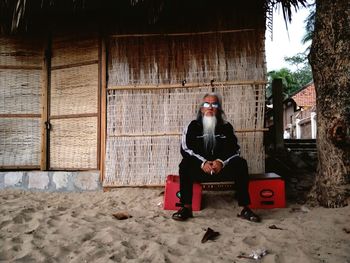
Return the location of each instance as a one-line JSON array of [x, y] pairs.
[[281, 46]]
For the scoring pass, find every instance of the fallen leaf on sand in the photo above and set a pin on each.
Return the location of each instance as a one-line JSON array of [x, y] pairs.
[[275, 227], [210, 235], [121, 215]]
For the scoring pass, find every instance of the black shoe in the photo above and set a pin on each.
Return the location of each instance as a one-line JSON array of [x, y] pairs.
[[249, 215], [183, 214]]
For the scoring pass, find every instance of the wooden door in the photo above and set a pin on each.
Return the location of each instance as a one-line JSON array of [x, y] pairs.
[[74, 103]]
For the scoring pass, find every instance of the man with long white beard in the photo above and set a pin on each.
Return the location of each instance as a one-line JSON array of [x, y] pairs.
[[211, 153]]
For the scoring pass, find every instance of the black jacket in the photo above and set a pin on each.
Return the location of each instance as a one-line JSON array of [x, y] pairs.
[[192, 145]]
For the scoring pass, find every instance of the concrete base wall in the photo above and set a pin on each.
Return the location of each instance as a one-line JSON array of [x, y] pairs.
[[51, 181]]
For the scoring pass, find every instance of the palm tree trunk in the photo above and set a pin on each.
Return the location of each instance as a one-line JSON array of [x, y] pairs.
[[330, 61]]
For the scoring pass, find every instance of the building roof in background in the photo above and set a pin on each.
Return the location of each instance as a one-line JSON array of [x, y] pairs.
[[305, 97]]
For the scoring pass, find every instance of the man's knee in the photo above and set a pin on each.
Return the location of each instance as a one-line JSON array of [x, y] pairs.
[[239, 163], [184, 167]]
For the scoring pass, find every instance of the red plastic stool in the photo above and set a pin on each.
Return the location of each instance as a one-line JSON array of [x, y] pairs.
[[172, 194], [267, 191]]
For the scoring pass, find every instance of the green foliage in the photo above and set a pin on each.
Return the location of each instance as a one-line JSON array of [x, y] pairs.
[[291, 80], [303, 73], [288, 82], [310, 24]]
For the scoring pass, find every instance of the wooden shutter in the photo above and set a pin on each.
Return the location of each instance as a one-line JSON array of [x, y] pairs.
[[74, 103]]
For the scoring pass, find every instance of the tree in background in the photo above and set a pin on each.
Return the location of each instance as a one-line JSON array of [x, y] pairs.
[[288, 81], [302, 74], [330, 62], [292, 80]]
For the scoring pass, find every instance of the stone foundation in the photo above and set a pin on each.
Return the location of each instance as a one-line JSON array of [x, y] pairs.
[[60, 181]]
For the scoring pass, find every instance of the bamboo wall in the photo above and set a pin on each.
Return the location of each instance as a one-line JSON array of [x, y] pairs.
[[69, 102], [20, 106], [147, 106]]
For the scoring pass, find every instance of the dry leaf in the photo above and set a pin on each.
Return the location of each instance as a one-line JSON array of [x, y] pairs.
[[275, 227], [121, 215], [210, 235], [346, 230]]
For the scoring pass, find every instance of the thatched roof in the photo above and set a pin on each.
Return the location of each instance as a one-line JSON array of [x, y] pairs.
[[23, 15]]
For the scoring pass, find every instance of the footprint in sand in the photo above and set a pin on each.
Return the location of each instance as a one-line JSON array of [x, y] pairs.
[[129, 252], [17, 240], [21, 218], [5, 223], [87, 237], [254, 241], [53, 221], [184, 241], [61, 208]]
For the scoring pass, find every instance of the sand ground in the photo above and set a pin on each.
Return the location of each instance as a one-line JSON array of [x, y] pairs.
[[79, 227]]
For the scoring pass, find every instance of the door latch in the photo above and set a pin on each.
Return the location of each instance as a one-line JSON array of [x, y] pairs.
[[48, 125]]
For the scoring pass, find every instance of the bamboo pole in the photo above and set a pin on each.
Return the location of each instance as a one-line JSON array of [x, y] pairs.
[[251, 130], [71, 169], [44, 105], [84, 63], [103, 88], [99, 84], [17, 167], [176, 133], [20, 116], [23, 67], [72, 116], [187, 85], [183, 34], [146, 135]]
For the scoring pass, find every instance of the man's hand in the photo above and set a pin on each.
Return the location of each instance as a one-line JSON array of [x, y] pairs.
[[212, 167], [217, 166], [207, 167]]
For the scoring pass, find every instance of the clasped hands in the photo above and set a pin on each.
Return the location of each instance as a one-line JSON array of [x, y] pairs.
[[212, 167]]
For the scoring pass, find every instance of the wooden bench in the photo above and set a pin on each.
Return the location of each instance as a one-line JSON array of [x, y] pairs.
[[218, 186], [230, 185]]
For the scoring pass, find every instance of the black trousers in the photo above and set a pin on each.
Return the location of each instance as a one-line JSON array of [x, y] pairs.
[[236, 170]]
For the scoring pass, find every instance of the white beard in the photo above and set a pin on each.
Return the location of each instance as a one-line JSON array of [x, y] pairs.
[[209, 124]]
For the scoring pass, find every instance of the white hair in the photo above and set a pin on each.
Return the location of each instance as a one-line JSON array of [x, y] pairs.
[[221, 117], [209, 124]]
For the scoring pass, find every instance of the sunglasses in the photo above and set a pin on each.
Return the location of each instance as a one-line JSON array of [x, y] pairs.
[[214, 105]]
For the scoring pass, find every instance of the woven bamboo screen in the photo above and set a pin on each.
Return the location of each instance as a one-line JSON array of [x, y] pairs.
[[20, 92], [148, 107], [74, 114]]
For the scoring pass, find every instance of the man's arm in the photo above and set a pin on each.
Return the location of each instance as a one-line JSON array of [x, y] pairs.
[[188, 145], [232, 149]]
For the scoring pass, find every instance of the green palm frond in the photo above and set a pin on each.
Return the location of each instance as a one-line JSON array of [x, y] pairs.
[[310, 24]]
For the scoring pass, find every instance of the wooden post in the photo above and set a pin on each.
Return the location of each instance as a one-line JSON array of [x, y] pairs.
[[103, 104], [277, 93], [45, 76]]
